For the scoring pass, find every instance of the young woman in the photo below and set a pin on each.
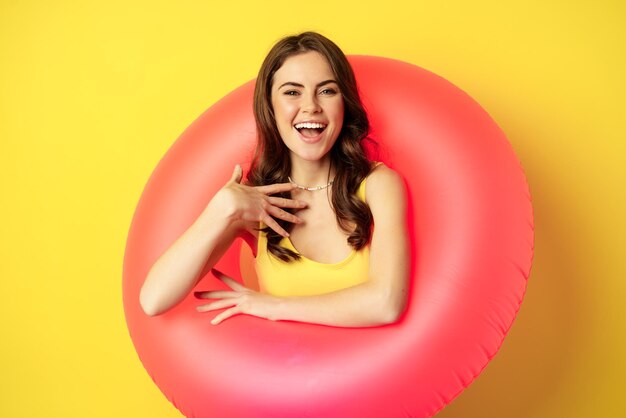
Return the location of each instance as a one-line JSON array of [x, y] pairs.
[[327, 226]]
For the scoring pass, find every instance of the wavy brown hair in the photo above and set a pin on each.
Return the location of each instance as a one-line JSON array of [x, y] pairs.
[[271, 162]]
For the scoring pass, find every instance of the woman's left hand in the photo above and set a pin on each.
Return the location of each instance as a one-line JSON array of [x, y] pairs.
[[239, 300]]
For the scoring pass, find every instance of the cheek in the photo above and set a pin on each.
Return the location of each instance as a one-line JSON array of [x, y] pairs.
[[339, 110], [284, 111], [339, 116]]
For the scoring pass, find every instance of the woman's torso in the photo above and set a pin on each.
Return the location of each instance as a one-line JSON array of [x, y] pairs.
[[327, 262]]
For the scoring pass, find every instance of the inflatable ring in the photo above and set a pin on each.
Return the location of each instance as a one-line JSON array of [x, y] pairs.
[[471, 226]]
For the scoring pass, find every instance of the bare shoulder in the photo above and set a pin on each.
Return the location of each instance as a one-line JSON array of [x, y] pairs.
[[385, 187]]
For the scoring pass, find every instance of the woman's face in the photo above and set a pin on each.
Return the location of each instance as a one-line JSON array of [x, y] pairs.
[[308, 105]]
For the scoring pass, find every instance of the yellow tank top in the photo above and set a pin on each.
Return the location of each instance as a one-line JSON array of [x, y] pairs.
[[306, 277]]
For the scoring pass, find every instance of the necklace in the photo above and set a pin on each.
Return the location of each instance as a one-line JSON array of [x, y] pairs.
[[311, 189]]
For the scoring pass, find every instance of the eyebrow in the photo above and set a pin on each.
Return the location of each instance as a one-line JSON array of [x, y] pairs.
[[294, 84]]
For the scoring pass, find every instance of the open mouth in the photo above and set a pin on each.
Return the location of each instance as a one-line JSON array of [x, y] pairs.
[[310, 129]]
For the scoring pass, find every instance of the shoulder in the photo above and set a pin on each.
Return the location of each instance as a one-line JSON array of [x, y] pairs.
[[386, 195], [383, 183]]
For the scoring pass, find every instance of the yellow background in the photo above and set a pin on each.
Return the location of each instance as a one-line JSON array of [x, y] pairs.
[[92, 94]]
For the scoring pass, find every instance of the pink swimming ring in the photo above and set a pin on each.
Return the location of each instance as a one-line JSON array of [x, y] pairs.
[[471, 225]]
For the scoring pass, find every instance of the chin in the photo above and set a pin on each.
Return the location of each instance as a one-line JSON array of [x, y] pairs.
[[308, 152], [308, 156]]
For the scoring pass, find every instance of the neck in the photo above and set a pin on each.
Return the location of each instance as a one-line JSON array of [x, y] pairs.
[[311, 173]]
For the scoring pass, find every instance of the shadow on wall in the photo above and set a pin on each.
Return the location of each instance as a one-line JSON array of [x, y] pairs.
[[536, 355]]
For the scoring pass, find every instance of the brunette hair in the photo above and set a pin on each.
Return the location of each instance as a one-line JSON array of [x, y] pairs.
[[271, 162]]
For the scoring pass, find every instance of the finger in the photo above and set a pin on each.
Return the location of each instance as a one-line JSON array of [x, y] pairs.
[[237, 173], [230, 282], [279, 213], [269, 221], [220, 304], [276, 188], [286, 203], [225, 315], [216, 294]]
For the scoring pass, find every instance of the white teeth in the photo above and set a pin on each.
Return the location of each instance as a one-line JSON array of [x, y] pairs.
[[310, 125]]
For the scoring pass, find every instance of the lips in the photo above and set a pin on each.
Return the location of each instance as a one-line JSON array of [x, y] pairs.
[[310, 132]]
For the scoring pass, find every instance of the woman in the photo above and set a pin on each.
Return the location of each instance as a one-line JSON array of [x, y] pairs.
[[305, 210]]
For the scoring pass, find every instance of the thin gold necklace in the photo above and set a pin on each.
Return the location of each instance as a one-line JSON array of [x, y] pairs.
[[311, 189]]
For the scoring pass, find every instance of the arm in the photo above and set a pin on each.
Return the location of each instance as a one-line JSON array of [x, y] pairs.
[[177, 271], [381, 300], [234, 211]]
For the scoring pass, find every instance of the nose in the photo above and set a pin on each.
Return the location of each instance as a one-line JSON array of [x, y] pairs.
[[310, 104]]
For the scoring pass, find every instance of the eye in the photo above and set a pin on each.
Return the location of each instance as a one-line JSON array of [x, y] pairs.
[[291, 93], [328, 92]]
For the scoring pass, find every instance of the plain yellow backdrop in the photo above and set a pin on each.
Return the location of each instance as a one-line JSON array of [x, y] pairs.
[[92, 94]]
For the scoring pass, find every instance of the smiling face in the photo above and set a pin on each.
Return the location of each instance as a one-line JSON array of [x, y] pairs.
[[308, 106]]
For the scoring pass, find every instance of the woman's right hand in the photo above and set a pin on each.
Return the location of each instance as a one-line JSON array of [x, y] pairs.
[[241, 202]]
